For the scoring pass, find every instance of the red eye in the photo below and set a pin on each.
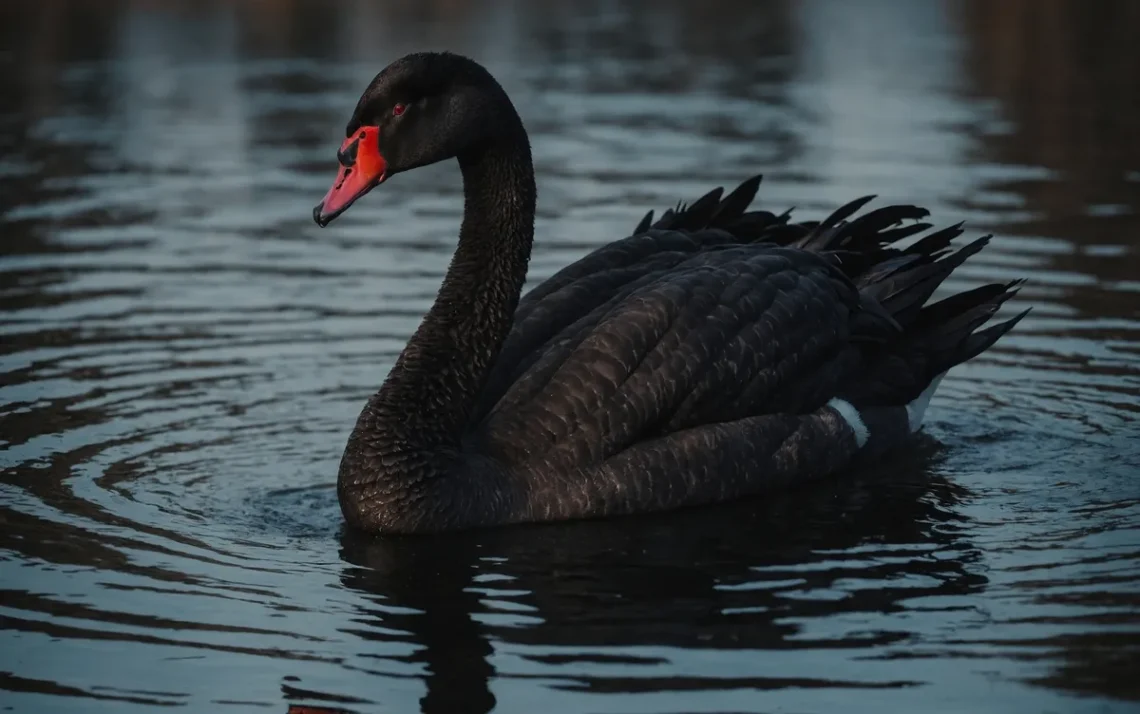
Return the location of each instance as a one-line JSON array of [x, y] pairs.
[[398, 109]]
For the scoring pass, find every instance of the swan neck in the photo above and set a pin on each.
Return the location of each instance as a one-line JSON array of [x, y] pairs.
[[426, 403]]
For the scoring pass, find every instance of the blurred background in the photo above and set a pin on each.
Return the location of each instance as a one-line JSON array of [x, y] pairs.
[[183, 353]]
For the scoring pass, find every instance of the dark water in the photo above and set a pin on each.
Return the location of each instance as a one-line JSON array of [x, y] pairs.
[[183, 353]]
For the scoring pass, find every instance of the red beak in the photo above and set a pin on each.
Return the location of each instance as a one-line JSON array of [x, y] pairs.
[[361, 168]]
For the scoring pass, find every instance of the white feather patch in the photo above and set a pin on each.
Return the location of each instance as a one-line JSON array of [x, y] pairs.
[[917, 409], [850, 415]]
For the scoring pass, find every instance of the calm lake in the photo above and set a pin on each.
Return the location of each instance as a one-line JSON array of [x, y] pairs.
[[183, 354]]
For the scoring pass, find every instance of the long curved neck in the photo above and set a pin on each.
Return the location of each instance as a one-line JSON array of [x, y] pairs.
[[428, 397]]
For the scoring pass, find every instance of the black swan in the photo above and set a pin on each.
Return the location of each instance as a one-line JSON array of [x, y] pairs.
[[715, 353]]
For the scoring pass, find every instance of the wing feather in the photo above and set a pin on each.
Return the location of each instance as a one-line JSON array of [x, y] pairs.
[[673, 350]]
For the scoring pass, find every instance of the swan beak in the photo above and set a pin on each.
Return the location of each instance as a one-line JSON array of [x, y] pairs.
[[361, 168]]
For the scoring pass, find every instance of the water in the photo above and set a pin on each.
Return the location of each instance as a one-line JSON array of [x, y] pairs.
[[183, 353]]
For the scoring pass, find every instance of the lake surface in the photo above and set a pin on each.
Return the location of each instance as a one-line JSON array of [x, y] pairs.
[[183, 354]]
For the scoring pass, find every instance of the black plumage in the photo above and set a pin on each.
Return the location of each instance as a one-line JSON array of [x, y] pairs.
[[691, 362]]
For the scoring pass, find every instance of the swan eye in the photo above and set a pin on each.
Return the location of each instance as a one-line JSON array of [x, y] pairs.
[[398, 109]]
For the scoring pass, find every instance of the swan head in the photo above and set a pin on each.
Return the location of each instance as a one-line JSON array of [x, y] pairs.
[[423, 108]]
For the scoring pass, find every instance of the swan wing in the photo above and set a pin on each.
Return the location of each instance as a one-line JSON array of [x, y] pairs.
[[722, 334], [711, 223]]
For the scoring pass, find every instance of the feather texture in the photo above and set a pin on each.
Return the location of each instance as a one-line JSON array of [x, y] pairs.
[[716, 352]]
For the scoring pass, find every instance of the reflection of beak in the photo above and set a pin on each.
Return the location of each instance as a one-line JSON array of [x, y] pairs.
[[361, 168]]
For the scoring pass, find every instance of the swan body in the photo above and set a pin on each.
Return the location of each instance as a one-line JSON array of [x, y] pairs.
[[714, 353]]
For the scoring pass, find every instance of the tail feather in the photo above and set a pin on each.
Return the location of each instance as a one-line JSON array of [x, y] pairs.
[[736, 203], [756, 225], [944, 310], [645, 223], [729, 213], [700, 213], [870, 228], [894, 235], [982, 340], [935, 337], [904, 294], [910, 343], [846, 211], [881, 270], [936, 243], [939, 340]]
